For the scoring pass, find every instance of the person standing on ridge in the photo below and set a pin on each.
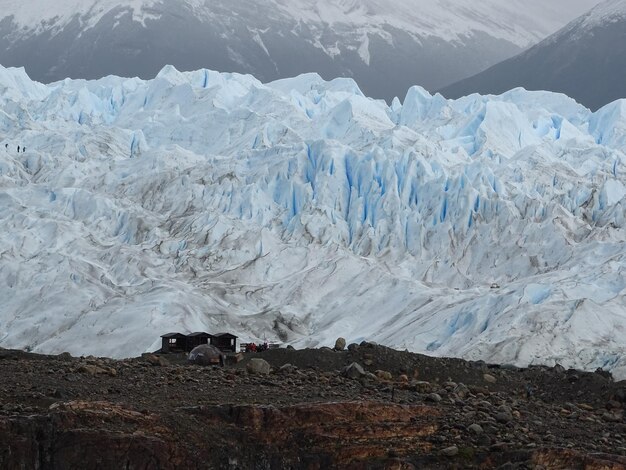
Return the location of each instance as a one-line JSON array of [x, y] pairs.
[[18, 149]]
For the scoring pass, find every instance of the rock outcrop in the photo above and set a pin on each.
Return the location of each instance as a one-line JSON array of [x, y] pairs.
[[305, 413]]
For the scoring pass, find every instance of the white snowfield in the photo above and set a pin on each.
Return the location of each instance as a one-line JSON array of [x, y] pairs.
[[299, 211]]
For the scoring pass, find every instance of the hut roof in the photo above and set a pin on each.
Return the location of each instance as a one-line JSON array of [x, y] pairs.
[[173, 335], [225, 335], [200, 333]]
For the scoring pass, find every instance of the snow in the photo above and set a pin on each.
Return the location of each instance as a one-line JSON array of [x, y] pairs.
[[300, 210], [41, 14], [522, 22], [605, 12]]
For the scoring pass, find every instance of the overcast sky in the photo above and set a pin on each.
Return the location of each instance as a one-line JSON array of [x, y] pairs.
[[577, 7]]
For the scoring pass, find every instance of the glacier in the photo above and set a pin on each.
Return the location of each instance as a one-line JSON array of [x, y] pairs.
[[297, 211]]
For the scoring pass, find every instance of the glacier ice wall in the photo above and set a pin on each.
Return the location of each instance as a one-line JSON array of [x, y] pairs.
[[300, 210]]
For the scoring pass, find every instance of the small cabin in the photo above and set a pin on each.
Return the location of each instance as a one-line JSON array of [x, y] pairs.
[[225, 342], [173, 342], [196, 339]]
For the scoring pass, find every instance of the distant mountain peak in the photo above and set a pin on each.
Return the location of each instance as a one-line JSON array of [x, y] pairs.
[[586, 60], [41, 15], [606, 11], [429, 42], [522, 22]]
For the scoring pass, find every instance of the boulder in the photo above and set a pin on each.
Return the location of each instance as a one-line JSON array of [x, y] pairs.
[[476, 429], [156, 360], [489, 378], [206, 355], [353, 347], [233, 359], [258, 366], [92, 369], [434, 397], [450, 451], [504, 417], [287, 369], [64, 356], [384, 375], [340, 344], [461, 391], [612, 416], [421, 386], [476, 389], [353, 371]]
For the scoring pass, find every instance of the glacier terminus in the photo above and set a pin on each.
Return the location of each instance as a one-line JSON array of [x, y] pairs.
[[300, 210]]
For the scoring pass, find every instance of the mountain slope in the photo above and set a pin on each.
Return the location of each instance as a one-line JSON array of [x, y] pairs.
[[301, 210], [586, 60], [431, 43]]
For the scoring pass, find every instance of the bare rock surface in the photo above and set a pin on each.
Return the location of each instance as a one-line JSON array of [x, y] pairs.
[[59, 412]]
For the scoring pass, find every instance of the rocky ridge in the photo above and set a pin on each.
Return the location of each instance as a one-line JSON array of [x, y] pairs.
[[402, 410]]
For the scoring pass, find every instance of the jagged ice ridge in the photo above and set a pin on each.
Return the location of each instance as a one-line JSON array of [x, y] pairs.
[[301, 210]]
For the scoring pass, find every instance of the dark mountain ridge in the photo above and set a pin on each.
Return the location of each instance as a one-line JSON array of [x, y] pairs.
[[265, 38], [586, 60]]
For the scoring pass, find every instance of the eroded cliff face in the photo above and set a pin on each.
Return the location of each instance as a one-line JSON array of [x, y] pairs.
[[88, 435], [83, 434]]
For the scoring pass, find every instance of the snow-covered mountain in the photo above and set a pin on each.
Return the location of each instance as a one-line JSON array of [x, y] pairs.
[[585, 60], [387, 46], [301, 210]]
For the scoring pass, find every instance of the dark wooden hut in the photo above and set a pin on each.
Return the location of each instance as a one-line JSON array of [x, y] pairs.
[[225, 342], [173, 342], [196, 339]]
